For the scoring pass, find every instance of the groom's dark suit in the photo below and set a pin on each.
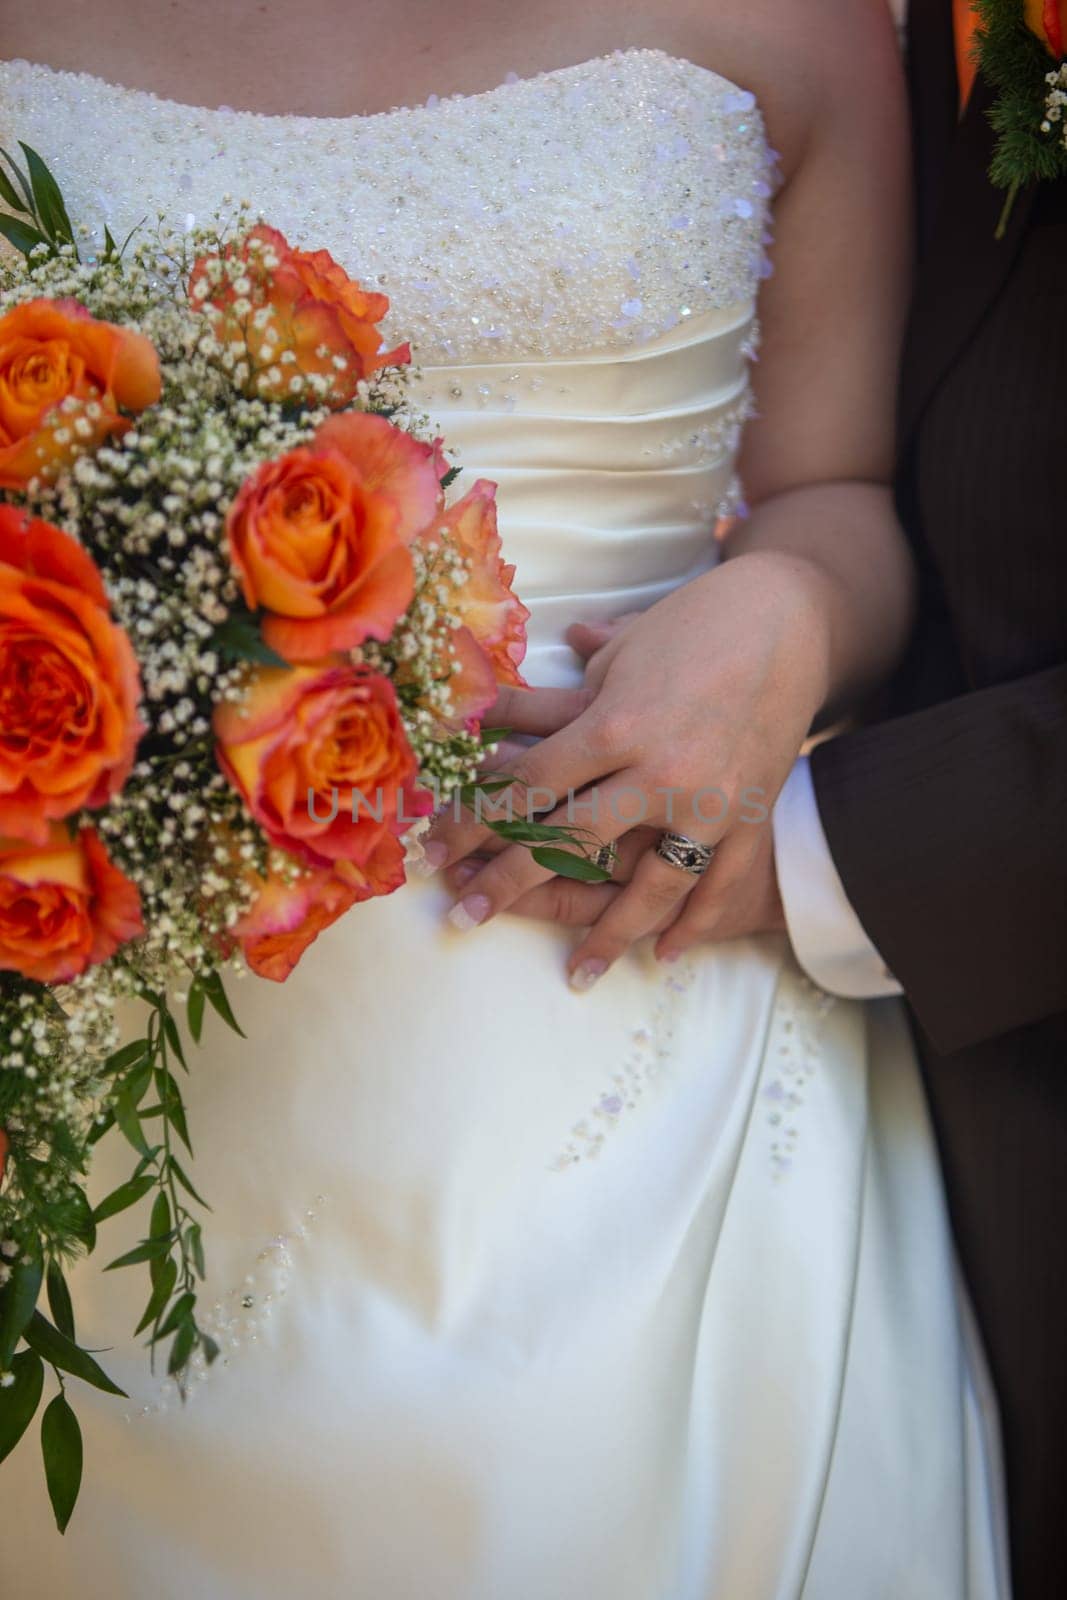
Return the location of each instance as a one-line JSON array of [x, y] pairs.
[[947, 819]]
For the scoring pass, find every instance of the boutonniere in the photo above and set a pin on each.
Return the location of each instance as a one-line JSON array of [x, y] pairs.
[[1020, 47]]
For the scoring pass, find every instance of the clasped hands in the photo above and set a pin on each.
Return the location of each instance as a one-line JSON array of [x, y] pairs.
[[689, 719]]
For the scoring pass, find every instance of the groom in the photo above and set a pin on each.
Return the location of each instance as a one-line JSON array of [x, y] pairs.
[[946, 820]]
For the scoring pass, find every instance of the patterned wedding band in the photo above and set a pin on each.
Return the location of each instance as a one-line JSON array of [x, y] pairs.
[[678, 850]]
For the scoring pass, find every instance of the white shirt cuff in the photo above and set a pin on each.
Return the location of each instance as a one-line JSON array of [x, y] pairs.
[[828, 938]]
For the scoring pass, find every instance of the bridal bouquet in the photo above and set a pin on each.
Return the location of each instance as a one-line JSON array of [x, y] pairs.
[[246, 645]]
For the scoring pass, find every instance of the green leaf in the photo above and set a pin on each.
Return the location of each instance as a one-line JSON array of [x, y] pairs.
[[159, 1227], [449, 477], [209, 1347], [194, 1243], [493, 735], [147, 1250], [23, 182], [213, 988], [106, 1123], [239, 639], [65, 1354], [179, 1312], [49, 201], [162, 1290], [170, 1028], [565, 864], [20, 234], [182, 1178], [19, 1402], [129, 1056], [83, 1223], [59, 1300], [173, 1108], [127, 1194], [61, 1446], [111, 249], [182, 1348], [195, 1011], [136, 1082], [17, 1301], [10, 195], [531, 832], [128, 1120]]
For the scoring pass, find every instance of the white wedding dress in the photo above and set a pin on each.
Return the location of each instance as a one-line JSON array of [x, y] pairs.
[[643, 1294]]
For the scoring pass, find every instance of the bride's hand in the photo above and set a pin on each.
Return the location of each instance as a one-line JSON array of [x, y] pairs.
[[690, 719], [753, 905]]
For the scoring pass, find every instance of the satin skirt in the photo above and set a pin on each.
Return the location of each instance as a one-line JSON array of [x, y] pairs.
[[642, 1294]]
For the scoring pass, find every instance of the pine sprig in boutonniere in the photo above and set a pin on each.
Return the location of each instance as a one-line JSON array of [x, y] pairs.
[[1020, 47]]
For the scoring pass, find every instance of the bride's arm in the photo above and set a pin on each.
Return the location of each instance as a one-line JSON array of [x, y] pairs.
[[715, 687], [817, 461]]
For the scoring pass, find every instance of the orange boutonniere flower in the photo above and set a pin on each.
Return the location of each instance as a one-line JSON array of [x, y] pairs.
[[1048, 20]]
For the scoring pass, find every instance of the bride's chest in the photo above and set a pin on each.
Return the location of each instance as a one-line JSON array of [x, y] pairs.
[[588, 208]]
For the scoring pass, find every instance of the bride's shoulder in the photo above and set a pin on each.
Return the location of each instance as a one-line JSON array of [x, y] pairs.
[[814, 65]]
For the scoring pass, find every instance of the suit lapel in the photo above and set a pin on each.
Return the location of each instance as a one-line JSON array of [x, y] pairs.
[[962, 265]]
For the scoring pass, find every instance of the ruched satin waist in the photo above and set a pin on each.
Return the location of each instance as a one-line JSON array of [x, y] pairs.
[[612, 470]]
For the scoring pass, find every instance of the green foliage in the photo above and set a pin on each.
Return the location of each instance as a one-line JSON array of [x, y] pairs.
[[1015, 63], [42, 216], [61, 1446], [172, 1249], [239, 639], [19, 1401]]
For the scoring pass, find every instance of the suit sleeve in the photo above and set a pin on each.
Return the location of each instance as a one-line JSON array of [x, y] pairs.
[[948, 828]]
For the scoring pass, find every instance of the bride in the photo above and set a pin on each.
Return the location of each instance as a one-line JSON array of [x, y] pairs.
[[637, 1287]]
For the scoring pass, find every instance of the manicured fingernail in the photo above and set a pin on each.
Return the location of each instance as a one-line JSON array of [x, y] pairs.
[[584, 977], [465, 871], [435, 854], [671, 955], [467, 914]]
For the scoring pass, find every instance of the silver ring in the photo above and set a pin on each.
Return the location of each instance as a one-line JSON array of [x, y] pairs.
[[604, 858], [678, 850]]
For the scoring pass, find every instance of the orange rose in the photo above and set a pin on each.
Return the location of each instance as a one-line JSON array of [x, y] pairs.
[[51, 351], [319, 538], [1048, 19], [289, 914], [68, 681], [493, 618], [63, 906], [304, 744], [316, 313]]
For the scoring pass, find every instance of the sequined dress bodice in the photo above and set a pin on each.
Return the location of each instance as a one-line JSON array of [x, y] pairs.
[[573, 257]]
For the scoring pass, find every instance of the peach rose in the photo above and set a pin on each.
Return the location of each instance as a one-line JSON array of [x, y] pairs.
[[289, 914], [63, 905], [304, 743], [318, 314], [493, 618], [1048, 19], [68, 681], [51, 351], [319, 538]]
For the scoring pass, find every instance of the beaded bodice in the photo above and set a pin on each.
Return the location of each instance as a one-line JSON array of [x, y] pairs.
[[574, 258], [588, 207]]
